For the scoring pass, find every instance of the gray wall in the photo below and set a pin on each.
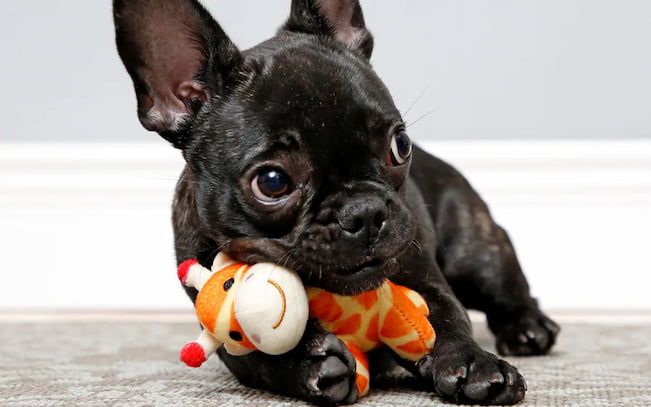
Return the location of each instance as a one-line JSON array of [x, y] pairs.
[[492, 69]]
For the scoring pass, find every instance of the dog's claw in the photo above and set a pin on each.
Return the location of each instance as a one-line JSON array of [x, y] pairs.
[[312, 385], [497, 378], [510, 379], [461, 372], [551, 326]]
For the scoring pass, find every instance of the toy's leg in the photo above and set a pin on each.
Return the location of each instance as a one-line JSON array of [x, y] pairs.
[[195, 353], [362, 380], [405, 327]]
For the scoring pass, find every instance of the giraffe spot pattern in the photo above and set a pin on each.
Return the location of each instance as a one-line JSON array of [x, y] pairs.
[[392, 315], [324, 307]]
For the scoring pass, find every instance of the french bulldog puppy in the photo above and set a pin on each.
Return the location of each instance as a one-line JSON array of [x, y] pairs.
[[297, 154]]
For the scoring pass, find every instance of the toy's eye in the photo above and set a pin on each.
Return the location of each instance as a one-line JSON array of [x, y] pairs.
[[236, 336], [400, 148], [270, 185], [228, 284]]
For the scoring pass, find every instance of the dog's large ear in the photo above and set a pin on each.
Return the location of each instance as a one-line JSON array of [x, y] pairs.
[[178, 57], [342, 20]]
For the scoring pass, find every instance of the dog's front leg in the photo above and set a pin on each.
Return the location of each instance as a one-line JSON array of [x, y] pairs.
[[457, 367], [319, 370]]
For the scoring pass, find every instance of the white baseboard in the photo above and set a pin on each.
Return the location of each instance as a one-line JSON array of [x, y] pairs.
[[597, 317], [87, 226]]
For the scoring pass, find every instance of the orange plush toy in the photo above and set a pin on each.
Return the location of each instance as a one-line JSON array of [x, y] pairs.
[[391, 315], [271, 314]]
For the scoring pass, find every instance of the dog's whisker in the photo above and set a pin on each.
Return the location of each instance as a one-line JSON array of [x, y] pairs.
[[187, 181], [285, 258], [416, 245], [217, 250], [169, 178], [415, 101], [422, 117]]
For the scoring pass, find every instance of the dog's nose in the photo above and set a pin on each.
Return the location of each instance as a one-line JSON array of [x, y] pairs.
[[363, 217]]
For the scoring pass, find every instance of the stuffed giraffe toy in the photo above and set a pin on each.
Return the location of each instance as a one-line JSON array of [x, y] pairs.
[[244, 307], [265, 307]]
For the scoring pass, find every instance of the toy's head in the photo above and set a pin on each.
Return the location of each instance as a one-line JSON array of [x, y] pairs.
[[250, 307], [271, 307]]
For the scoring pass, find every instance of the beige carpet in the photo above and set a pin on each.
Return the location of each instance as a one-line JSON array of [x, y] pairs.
[[124, 364]]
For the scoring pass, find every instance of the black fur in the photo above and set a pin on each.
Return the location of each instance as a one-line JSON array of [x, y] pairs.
[[308, 103]]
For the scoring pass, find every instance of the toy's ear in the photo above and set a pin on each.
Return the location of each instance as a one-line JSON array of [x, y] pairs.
[[221, 260], [178, 58], [342, 20]]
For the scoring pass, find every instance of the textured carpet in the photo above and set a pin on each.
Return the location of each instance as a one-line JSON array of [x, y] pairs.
[[135, 364]]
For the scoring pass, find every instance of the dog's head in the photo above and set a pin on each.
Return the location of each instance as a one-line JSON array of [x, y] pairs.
[[296, 150]]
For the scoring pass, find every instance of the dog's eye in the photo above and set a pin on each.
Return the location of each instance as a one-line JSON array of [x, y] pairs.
[[270, 185], [400, 148]]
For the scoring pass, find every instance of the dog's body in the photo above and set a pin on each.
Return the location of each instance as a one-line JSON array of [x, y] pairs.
[[296, 154]]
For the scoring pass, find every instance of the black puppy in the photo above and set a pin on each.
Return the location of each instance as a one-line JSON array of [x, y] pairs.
[[297, 154]]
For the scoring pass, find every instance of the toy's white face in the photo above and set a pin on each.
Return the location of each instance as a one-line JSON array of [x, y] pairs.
[[271, 307]]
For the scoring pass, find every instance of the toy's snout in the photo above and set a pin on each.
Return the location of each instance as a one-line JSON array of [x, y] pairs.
[[271, 307], [283, 303]]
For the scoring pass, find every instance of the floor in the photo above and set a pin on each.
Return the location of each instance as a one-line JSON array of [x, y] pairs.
[[131, 360]]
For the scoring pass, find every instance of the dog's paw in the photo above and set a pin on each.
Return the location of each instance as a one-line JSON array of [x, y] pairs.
[[468, 374], [328, 371], [528, 333]]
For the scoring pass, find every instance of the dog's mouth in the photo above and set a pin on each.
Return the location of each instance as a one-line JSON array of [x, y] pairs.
[[368, 274], [351, 278], [368, 265]]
